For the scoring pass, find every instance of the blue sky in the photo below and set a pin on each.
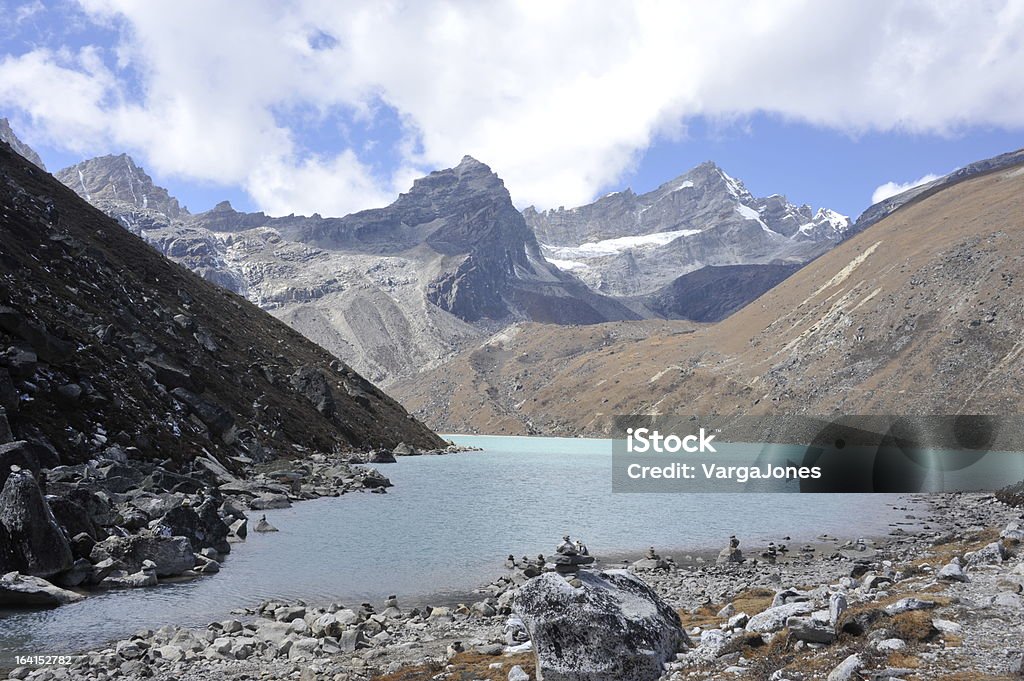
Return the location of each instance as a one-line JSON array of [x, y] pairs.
[[303, 107]]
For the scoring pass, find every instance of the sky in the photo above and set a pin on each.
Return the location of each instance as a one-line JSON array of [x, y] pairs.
[[331, 107]]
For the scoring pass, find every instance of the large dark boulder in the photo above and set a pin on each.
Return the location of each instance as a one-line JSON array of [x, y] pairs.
[[8, 393], [611, 627], [172, 555], [72, 518], [312, 384], [37, 541], [202, 526], [96, 506], [32, 456], [217, 419], [8, 557]]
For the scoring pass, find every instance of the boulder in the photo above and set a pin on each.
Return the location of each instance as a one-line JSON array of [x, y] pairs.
[[312, 384], [71, 517], [25, 591], [9, 397], [217, 419], [80, 571], [96, 505], [264, 526], [992, 554], [38, 544], [269, 500], [156, 505], [202, 526], [811, 630], [953, 572], [846, 669], [6, 435], [611, 627], [240, 528], [402, 449], [775, 618], [908, 605], [1014, 533], [171, 555], [31, 456], [381, 456]]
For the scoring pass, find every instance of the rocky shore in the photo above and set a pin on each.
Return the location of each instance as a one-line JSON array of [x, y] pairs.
[[940, 602], [118, 522]]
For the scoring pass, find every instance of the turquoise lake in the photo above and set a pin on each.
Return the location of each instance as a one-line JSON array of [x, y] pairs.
[[443, 529]]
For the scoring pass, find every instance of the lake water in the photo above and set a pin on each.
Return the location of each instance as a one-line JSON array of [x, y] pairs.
[[445, 528]]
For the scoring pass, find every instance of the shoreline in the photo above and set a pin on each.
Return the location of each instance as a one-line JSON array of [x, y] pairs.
[[469, 590], [478, 622]]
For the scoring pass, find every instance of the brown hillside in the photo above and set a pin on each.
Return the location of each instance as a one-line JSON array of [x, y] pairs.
[[921, 313]]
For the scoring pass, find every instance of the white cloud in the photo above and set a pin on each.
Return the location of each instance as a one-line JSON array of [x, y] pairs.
[[884, 191], [558, 98]]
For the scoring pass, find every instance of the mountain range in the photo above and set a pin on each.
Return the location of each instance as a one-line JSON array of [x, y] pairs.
[[482, 318], [917, 312], [397, 290], [631, 245]]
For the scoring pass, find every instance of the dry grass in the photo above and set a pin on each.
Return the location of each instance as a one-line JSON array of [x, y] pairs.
[[915, 625], [903, 660], [466, 667], [943, 553], [752, 601], [952, 640]]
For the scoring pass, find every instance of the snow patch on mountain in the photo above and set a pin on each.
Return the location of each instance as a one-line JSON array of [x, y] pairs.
[[598, 249]]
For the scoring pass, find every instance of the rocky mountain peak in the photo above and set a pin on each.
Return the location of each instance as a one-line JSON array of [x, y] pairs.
[[24, 150], [119, 181], [469, 181]]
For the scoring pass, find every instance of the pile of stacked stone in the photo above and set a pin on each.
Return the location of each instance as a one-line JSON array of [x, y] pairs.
[[570, 557], [732, 553]]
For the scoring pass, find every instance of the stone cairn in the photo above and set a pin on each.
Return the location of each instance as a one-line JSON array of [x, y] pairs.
[[570, 557], [732, 553]]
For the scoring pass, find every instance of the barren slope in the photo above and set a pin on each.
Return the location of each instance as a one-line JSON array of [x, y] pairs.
[[920, 313], [103, 341]]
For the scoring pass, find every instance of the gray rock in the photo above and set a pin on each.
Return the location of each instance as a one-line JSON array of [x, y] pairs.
[[948, 627], [811, 630], [907, 605], [953, 572], [79, 573], [37, 542], [992, 554], [30, 456], [774, 619], [847, 668], [171, 555], [613, 626], [381, 456], [240, 528], [517, 673], [264, 526], [837, 605], [311, 383], [202, 526], [26, 591], [269, 501], [891, 645]]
